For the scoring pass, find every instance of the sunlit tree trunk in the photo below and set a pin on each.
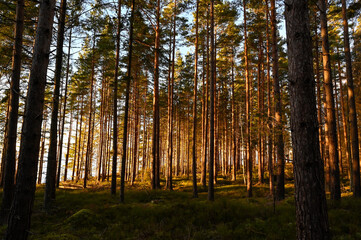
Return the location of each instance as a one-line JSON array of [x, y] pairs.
[[249, 162], [331, 133], [352, 107]]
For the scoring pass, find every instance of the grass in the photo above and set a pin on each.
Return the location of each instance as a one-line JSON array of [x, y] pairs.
[[94, 214]]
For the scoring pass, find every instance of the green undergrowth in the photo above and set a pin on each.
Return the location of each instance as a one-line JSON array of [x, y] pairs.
[[94, 214]]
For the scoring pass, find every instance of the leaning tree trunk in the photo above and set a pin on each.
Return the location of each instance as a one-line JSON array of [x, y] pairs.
[[12, 121], [20, 213], [352, 108], [311, 208]]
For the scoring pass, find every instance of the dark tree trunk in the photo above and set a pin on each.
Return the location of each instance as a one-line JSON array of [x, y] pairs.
[[280, 188], [311, 209], [20, 213], [64, 110], [12, 121], [49, 194], [248, 109], [212, 97], [126, 107], [194, 147], [155, 142], [115, 107]]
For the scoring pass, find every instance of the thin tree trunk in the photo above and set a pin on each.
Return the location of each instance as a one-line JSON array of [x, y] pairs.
[[212, 97], [352, 108], [248, 108], [68, 148], [126, 108], [170, 106], [194, 147], [280, 188], [155, 150], [12, 121], [330, 107], [115, 106], [346, 133], [269, 110], [64, 110], [90, 119]]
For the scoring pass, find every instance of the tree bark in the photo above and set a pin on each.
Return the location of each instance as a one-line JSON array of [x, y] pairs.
[[330, 107], [352, 108], [311, 208], [49, 194], [115, 106], [212, 97], [280, 188], [155, 150], [126, 107], [12, 121], [194, 147], [20, 213], [64, 110], [248, 108]]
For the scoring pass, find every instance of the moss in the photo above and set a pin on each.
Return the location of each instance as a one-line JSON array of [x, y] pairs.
[[54, 236], [85, 218]]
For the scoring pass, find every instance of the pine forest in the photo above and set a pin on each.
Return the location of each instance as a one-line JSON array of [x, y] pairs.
[[180, 119]]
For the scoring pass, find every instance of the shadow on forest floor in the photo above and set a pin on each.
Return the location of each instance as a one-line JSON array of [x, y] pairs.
[[92, 213]]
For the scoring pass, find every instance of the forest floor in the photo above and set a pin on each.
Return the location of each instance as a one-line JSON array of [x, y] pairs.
[[93, 213]]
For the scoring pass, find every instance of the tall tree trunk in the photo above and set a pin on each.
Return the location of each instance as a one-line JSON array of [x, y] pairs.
[[346, 133], [269, 110], [248, 108], [330, 107], [280, 188], [12, 121], [194, 147], [234, 132], [212, 97], [155, 151], [90, 119], [49, 194], [115, 106], [68, 148], [318, 87], [170, 105], [64, 110], [126, 107], [136, 132], [311, 208], [352, 106], [205, 151], [20, 213]]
